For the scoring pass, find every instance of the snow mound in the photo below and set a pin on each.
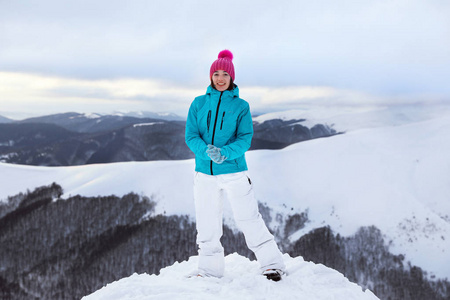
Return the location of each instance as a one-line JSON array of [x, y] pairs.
[[305, 280]]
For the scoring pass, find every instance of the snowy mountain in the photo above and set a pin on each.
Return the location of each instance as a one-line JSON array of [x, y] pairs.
[[93, 122], [78, 139], [382, 185], [344, 119], [305, 280], [5, 120], [149, 115]]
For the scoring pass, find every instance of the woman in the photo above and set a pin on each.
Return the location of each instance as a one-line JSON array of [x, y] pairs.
[[219, 131]]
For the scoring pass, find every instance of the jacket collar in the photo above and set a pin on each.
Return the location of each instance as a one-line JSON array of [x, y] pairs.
[[233, 93]]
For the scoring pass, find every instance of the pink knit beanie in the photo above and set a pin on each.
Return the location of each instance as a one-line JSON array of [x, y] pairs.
[[224, 62]]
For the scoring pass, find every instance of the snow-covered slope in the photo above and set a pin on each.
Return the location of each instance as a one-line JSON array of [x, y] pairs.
[[395, 177], [147, 114], [354, 118], [5, 120], [305, 280]]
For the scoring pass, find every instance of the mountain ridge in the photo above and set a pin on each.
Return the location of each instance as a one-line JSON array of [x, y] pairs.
[[106, 139], [5, 120]]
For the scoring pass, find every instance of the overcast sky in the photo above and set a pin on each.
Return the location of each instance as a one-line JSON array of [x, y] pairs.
[[106, 55]]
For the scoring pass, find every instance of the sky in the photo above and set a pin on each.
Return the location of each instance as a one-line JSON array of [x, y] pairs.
[[143, 55]]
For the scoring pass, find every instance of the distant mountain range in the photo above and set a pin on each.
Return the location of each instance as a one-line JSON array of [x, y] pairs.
[[98, 123], [76, 139], [151, 115], [5, 120]]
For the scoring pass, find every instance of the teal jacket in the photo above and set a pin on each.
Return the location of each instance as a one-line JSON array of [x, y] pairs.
[[221, 119]]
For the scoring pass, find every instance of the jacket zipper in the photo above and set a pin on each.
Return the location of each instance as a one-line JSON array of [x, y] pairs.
[[214, 128], [221, 123]]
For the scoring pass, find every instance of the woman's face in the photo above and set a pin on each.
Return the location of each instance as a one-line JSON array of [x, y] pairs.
[[221, 80]]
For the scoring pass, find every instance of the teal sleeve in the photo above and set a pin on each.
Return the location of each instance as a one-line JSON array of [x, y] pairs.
[[192, 135], [244, 136]]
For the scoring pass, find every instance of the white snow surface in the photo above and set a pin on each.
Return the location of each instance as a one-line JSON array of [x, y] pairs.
[[345, 119], [392, 174], [147, 114], [147, 124], [242, 280]]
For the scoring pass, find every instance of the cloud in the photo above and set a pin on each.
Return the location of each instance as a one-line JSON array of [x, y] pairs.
[[264, 99], [365, 45], [43, 94], [156, 54], [22, 91]]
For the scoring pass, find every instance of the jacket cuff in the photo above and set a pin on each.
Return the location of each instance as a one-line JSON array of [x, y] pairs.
[[205, 155], [224, 152]]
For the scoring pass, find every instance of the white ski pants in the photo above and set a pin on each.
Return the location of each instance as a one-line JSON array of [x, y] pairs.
[[209, 192]]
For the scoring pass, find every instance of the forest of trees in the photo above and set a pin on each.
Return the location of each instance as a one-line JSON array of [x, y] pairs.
[[53, 248]]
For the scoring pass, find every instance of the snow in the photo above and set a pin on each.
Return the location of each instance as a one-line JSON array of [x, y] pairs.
[[242, 280], [92, 116], [354, 118], [396, 178], [392, 172], [145, 114], [147, 124], [154, 179]]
